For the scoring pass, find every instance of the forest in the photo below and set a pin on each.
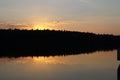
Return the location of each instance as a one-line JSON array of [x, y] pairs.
[[15, 42]]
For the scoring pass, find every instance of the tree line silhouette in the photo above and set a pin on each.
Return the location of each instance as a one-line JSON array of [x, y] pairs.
[[15, 42]]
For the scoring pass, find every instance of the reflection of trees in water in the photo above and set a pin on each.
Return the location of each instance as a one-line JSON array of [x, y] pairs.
[[118, 54], [17, 52]]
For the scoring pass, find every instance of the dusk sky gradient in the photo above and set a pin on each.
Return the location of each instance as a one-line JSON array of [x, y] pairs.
[[98, 16]]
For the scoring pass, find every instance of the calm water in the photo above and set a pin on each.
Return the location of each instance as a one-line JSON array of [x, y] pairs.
[[94, 66]]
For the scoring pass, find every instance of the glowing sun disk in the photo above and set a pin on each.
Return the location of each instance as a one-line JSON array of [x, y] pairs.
[[39, 27]]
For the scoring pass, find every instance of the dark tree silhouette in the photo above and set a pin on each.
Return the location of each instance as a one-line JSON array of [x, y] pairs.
[[50, 42]]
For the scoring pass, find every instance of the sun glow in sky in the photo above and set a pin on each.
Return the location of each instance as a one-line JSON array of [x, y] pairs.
[[98, 16], [41, 26]]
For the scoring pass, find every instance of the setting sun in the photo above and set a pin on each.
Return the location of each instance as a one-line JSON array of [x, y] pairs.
[[39, 27], [42, 26]]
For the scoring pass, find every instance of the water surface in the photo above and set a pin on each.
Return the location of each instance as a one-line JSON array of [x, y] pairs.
[[95, 66]]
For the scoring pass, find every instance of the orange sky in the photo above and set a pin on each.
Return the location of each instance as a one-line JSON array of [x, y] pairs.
[[97, 16]]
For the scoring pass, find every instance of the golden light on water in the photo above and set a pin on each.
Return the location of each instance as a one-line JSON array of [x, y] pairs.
[[84, 59], [35, 60], [48, 60]]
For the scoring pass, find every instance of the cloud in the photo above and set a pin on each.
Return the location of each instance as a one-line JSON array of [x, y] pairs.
[[84, 1], [13, 26]]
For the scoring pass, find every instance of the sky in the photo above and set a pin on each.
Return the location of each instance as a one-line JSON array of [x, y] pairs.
[[97, 16]]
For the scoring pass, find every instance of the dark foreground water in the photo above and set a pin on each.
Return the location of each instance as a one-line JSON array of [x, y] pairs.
[[94, 66]]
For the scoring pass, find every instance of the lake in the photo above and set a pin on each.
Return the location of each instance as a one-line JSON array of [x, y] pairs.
[[99, 65]]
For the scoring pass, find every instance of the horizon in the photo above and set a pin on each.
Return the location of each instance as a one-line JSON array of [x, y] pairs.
[[53, 30]]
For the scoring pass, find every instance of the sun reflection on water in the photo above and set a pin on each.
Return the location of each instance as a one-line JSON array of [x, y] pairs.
[[48, 60], [34, 59], [82, 59]]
